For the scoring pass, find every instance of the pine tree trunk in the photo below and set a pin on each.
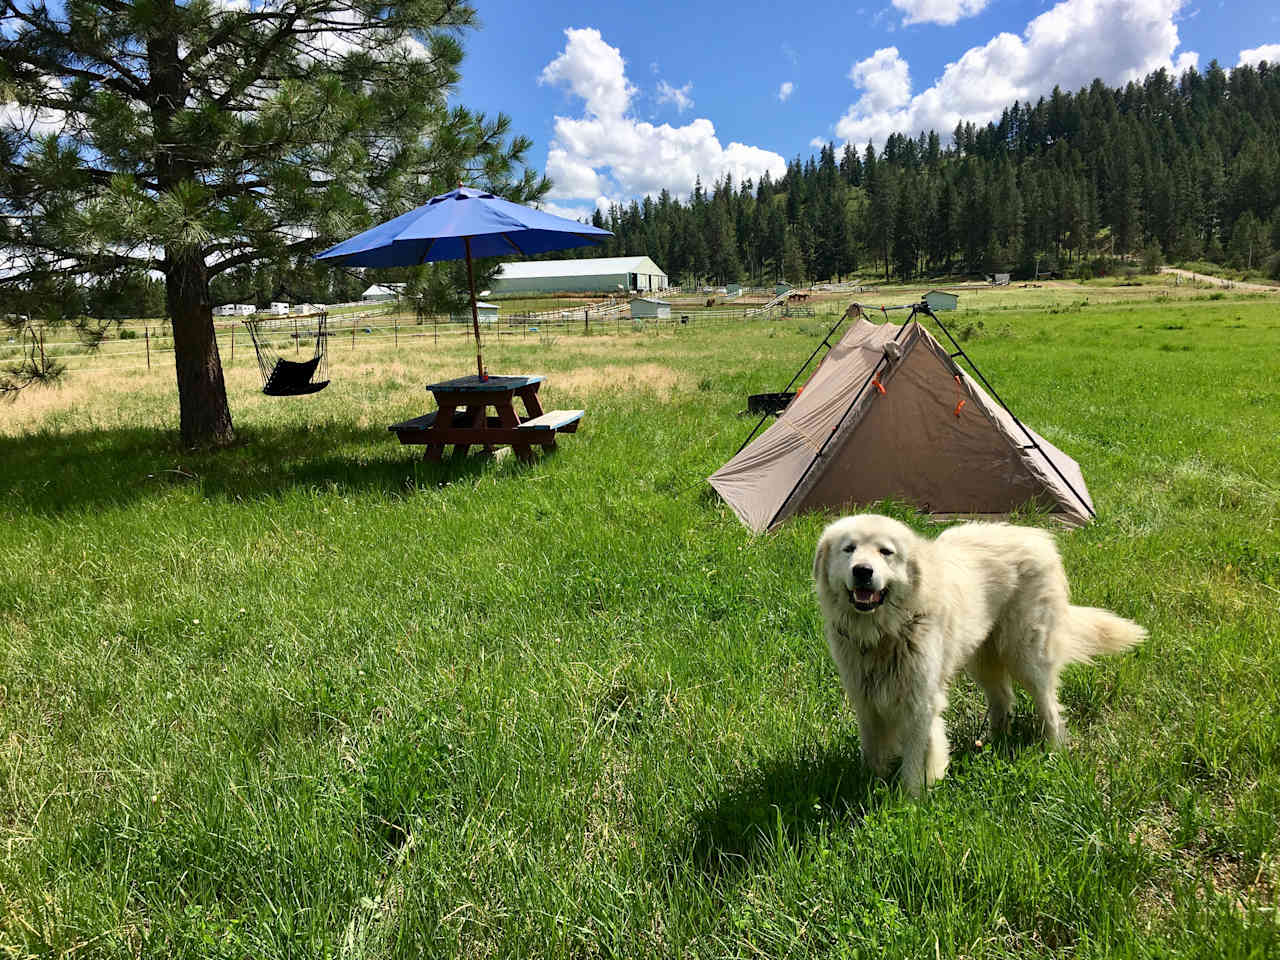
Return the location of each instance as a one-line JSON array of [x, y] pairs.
[[205, 418], [202, 393]]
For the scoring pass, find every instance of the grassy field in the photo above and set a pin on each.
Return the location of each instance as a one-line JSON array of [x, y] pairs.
[[313, 697]]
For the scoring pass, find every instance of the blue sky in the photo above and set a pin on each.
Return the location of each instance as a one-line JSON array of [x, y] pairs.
[[623, 100]]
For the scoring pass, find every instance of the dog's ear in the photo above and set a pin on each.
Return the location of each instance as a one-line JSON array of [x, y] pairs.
[[913, 571], [820, 560]]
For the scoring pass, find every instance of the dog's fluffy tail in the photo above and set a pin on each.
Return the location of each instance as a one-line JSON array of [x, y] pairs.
[[1092, 631]]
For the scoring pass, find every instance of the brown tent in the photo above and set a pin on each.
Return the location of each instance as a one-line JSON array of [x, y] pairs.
[[889, 415]]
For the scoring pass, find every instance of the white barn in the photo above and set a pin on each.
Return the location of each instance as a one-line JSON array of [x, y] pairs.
[[599, 275]]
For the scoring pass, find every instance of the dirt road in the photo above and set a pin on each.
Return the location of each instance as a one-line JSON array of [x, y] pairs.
[[1221, 281]]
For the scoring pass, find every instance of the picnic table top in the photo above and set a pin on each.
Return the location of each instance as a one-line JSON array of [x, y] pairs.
[[474, 384]]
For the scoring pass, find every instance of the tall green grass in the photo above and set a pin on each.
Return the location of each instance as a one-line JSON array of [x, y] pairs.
[[313, 697]]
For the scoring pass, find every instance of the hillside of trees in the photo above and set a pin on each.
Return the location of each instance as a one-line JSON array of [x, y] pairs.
[[1165, 170], [1162, 170]]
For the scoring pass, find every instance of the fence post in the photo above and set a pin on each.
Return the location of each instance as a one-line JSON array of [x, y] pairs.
[[395, 326], [353, 333], [147, 334], [586, 321], [233, 345]]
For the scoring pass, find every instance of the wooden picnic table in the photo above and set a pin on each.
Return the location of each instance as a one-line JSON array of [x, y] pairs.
[[463, 418]]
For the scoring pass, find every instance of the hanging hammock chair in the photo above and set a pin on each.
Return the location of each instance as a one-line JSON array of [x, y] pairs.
[[291, 378]]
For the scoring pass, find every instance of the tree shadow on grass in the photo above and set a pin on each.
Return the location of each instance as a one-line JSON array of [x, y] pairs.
[[53, 472]]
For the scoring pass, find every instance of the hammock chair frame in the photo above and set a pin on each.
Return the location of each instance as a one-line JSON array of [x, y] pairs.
[[291, 378]]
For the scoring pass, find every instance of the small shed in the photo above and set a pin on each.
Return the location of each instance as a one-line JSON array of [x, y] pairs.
[[646, 308], [733, 290], [383, 291], [780, 288], [941, 300], [485, 313]]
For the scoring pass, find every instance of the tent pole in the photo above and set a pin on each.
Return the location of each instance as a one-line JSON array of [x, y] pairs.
[[475, 315], [839, 423], [826, 342], [992, 390]]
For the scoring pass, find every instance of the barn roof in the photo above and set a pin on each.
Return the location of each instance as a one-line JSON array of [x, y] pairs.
[[581, 267]]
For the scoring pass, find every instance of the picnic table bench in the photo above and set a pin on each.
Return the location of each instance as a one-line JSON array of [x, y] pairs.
[[463, 418]]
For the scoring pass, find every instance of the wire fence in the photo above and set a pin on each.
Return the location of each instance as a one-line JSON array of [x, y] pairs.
[[150, 346]]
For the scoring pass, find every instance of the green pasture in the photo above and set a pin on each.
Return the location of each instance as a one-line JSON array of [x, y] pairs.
[[312, 697]]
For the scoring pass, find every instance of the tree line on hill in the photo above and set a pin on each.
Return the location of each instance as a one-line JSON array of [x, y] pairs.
[[1184, 170]]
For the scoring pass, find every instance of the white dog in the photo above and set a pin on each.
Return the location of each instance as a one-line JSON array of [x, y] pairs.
[[904, 614]]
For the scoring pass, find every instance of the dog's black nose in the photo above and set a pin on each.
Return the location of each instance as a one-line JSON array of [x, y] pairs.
[[862, 573]]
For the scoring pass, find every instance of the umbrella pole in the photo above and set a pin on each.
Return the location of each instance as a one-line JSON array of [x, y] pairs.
[[475, 315]]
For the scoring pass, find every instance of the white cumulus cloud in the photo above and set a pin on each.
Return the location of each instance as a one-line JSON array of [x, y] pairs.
[[678, 96], [785, 91], [885, 78], [1068, 46], [1269, 52], [608, 155], [945, 12], [571, 212], [592, 70]]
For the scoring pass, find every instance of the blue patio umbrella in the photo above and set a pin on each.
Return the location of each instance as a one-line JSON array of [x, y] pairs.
[[462, 224]]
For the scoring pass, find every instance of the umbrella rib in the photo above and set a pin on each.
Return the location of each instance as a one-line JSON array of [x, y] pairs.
[[507, 237], [427, 249]]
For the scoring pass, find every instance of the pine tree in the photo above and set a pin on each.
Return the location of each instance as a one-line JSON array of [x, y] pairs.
[[198, 138], [793, 270]]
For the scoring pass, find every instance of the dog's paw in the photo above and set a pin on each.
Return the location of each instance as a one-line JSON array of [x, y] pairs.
[[878, 763], [1056, 736]]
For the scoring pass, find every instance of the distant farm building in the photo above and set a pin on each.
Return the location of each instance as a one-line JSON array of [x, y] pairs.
[[277, 309], [646, 308], [235, 310], [780, 288], [941, 300], [600, 275], [303, 308], [382, 291], [485, 313]]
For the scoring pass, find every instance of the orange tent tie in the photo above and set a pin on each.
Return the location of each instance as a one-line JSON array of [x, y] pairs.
[[960, 405], [875, 382]]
